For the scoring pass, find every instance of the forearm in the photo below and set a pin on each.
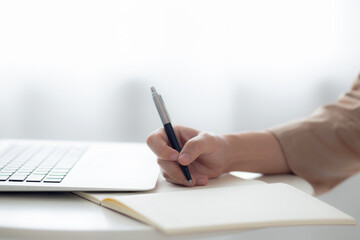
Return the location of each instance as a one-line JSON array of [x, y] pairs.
[[255, 152], [324, 148]]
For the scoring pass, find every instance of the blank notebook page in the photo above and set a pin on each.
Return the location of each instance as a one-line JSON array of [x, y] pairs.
[[237, 207]]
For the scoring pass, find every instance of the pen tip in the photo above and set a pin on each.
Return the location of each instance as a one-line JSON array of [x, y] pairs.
[[153, 90]]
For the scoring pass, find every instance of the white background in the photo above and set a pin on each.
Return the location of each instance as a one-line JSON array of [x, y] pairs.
[[82, 70]]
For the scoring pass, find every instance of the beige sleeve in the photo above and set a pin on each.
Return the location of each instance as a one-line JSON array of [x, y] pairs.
[[324, 148]]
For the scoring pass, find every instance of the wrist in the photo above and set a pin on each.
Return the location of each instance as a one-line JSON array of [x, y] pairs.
[[255, 152]]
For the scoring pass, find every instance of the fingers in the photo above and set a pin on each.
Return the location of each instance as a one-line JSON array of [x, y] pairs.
[[204, 143], [196, 144], [185, 133], [159, 144], [172, 173]]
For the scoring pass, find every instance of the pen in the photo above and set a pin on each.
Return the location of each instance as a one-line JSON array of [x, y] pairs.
[[165, 118]]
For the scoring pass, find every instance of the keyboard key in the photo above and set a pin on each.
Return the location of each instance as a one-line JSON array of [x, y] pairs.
[[10, 168], [42, 169], [60, 171], [57, 174], [35, 178], [34, 163], [5, 174], [7, 171], [17, 178], [53, 177], [23, 173], [40, 173], [53, 180], [4, 177], [27, 168]]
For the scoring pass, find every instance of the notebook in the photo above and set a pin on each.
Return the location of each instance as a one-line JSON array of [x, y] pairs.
[[227, 203]]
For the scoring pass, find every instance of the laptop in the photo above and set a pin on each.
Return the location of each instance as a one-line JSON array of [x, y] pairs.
[[33, 165]]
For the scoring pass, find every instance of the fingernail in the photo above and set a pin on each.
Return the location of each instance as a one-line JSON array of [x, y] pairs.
[[201, 181], [187, 183], [184, 158], [174, 156]]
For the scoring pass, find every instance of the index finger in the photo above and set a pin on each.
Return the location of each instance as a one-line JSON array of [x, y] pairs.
[[159, 144]]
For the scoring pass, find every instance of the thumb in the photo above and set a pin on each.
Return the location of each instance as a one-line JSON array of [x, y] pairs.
[[203, 143]]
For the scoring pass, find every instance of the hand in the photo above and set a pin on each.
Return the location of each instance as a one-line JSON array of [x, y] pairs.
[[202, 152], [208, 156]]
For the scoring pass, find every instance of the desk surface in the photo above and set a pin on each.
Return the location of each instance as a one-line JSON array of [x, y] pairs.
[[56, 215]]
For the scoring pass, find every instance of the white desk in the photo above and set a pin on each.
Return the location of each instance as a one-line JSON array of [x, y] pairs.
[[64, 215]]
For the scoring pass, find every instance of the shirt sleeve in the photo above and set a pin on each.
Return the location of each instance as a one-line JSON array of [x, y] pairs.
[[324, 148]]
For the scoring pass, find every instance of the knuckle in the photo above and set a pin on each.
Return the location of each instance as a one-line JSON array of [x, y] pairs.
[[165, 175], [150, 140], [207, 135], [210, 138], [162, 162]]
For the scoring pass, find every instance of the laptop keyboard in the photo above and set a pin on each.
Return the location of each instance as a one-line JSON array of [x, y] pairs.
[[35, 163]]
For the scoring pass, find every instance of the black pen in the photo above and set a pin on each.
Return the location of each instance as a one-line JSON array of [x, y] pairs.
[[165, 118]]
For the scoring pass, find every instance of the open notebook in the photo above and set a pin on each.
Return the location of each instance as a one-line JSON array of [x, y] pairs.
[[226, 203]]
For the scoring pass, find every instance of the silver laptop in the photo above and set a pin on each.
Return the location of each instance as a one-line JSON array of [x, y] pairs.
[[29, 165]]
